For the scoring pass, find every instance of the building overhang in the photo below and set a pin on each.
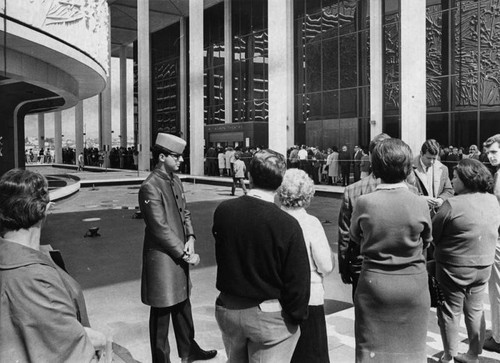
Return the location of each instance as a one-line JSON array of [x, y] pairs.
[[33, 57]]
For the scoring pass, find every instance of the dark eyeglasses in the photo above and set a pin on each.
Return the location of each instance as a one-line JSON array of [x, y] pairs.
[[176, 156]]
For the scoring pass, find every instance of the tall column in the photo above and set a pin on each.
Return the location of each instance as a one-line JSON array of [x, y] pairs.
[[144, 82], [228, 63], [78, 130], [105, 105], [105, 110], [376, 67], [281, 117], [58, 137], [41, 131], [183, 56], [413, 73], [123, 96], [196, 117]]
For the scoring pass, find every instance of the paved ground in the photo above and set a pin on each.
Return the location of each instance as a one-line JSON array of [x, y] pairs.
[[108, 267]]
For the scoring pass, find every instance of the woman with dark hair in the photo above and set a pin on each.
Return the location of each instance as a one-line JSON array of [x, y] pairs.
[[393, 227], [465, 231], [42, 318]]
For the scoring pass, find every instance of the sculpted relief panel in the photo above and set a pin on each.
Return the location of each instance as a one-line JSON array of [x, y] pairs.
[[82, 23]]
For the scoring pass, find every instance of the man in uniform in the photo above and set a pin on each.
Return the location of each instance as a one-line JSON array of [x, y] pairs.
[[168, 251]]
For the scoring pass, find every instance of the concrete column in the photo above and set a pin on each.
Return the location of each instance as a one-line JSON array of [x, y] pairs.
[[105, 105], [281, 117], [376, 67], [413, 73], [144, 70], [123, 96], [58, 137], [78, 130], [228, 63], [196, 86], [41, 131], [183, 86], [105, 114]]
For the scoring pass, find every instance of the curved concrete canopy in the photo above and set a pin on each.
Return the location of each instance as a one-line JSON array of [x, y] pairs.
[[37, 58]]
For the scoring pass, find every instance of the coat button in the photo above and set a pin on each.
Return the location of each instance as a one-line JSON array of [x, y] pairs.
[[176, 196], [180, 209]]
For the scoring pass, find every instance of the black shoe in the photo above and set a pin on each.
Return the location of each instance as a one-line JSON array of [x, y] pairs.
[[200, 355], [491, 345]]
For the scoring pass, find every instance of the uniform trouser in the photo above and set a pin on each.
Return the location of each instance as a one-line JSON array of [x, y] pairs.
[[253, 336], [182, 320], [240, 182], [494, 294]]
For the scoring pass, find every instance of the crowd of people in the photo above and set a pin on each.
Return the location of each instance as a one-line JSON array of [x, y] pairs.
[[401, 226], [331, 166], [119, 157]]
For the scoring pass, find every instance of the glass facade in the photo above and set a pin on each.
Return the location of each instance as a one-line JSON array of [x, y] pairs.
[[332, 72], [165, 55], [250, 60], [213, 69]]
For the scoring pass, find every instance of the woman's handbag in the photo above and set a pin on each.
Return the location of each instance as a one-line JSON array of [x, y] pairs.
[[437, 297]]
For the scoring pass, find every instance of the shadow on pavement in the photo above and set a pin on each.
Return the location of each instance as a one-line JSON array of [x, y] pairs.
[[115, 256]]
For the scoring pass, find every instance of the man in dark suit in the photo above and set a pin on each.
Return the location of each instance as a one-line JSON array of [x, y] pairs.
[[358, 154], [212, 161], [168, 251], [345, 165]]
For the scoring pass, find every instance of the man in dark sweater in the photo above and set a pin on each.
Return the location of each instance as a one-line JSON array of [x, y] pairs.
[[263, 269]]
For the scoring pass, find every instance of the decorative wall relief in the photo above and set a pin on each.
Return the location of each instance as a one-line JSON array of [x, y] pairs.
[[82, 23], [489, 42]]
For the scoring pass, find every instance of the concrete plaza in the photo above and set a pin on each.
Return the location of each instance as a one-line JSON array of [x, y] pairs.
[[108, 267]]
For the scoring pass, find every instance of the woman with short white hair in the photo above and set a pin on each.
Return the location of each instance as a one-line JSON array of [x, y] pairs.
[[295, 195]]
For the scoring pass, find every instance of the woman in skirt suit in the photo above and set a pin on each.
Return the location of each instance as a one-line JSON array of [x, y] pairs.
[[393, 227]]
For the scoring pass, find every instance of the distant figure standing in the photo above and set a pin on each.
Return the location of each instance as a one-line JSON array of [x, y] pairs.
[[302, 154], [358, 154], [345, 165], [222, 161], [212, 161], [333, 166], [229, 156], [81, 162], [239, 173], [294, 157]]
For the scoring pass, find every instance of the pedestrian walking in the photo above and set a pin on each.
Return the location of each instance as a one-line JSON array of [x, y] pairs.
[[239, 174]]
